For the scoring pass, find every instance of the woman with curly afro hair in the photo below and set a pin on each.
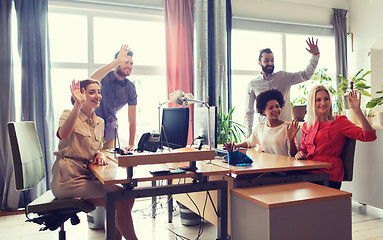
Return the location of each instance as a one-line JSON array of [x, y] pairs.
[[275, 135]]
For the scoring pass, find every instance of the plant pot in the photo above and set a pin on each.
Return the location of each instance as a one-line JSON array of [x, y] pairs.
[[380, 118], [298, 112]]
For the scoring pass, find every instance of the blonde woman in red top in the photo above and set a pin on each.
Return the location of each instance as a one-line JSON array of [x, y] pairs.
[[324, 135]]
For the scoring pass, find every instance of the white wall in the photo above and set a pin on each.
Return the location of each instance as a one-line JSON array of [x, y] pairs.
[[312, 12], [365, 22], [377, 74], [366, 19]]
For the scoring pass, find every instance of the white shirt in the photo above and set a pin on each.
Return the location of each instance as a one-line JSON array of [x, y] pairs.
[[280, 80], [272, 139]]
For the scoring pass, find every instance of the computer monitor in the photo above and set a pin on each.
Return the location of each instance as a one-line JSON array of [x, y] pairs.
[[175, 127], [201, 125]]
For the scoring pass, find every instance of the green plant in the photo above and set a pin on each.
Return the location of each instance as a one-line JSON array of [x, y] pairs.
[[368, 113], [302, 99], [228, 130], [354, 83], [320, 77], [375, 101]]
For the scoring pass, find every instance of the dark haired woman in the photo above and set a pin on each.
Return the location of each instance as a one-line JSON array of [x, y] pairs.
[[81, 136], [274, 136]]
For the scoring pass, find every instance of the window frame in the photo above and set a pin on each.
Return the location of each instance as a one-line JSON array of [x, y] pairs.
[[93, 10]]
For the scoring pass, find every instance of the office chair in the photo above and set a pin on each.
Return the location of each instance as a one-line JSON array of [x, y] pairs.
[[347, 157], [29, 170]]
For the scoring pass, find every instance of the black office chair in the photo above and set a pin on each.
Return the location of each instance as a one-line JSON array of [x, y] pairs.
[[29, 170], [347, 157]]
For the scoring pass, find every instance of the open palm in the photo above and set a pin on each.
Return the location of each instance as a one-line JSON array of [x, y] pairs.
[[354, 100], [292, 129], [122, 55], [77, 93], [312, 46]]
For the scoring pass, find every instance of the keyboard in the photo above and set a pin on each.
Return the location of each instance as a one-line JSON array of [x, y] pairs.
[[160, 172]]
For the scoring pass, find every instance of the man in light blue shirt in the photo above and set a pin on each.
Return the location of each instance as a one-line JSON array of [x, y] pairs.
[[117, 91], [281, 80]]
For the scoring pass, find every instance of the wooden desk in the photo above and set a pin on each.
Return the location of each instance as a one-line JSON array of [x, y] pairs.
[[113, 174], [267, 162], [262, 163]]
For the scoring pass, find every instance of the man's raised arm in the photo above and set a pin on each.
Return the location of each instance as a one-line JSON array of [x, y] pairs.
[[122, 56]]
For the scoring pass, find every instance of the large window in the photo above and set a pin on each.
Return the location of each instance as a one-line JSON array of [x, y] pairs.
[[84, 39], [289, 52]]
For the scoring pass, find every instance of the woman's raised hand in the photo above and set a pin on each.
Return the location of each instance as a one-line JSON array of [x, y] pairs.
[[292, 129], [77, 93], [354, 100], [122, 55]]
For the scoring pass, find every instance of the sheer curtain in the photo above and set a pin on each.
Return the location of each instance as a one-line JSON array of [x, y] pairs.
[[339, 22], [179, 47], [33, 46], [36, 97], [7, 108]]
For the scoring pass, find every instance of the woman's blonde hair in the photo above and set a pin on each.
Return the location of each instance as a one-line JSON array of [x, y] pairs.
[[311, 105]]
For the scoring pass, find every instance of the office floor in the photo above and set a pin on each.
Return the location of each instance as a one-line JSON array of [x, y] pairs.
[[367, 223]]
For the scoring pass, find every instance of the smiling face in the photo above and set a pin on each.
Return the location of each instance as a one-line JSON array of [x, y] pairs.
[[124, 69], [267, 62], [93, 95], [272, 110], [322, 104]]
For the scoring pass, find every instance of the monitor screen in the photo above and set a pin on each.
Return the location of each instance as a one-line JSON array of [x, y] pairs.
[[175, 122], [201, 125]]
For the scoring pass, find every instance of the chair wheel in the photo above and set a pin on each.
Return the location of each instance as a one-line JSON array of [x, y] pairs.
[[74, 220]]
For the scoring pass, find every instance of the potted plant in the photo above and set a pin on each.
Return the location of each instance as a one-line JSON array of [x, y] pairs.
[[356, 83], [227, 129], [377, 102], [369, 114], [298, 104]]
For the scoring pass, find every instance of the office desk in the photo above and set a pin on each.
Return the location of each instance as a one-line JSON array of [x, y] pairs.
[[254, 175], [114, 173], [267, 162]]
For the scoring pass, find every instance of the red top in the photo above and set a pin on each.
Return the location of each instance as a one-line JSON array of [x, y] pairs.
[[325, 140]]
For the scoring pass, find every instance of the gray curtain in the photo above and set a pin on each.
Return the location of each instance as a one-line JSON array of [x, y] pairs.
[[339, 21], [36, 95], [7, 108]]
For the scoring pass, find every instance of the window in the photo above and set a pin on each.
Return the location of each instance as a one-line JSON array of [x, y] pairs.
[[290, 55], [84, 39]]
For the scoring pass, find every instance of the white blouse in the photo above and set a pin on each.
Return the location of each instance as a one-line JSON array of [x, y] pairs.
[[271, 139]]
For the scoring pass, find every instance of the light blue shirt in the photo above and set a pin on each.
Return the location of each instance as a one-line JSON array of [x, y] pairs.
[[115, 95]]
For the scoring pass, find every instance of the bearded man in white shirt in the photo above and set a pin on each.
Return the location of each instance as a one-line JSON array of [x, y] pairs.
[[281, 80]]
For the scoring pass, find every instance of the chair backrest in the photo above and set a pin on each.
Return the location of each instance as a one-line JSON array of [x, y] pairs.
[[347, 157], [28, 162]]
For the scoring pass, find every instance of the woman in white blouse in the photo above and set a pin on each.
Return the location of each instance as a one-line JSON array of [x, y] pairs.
[[275, 135]]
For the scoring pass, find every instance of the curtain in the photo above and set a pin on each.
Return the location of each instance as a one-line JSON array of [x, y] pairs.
[[339, 22], [179, 48], [36, 96], [7, 109]]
